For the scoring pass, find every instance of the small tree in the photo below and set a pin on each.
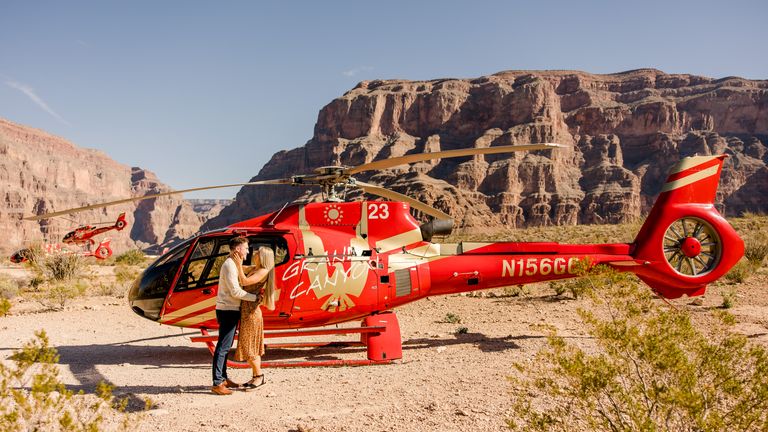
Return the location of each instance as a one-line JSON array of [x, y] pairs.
[[652, 369], [33, 398]]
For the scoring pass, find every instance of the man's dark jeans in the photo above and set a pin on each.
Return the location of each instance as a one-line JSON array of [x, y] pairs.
[[227, 324]]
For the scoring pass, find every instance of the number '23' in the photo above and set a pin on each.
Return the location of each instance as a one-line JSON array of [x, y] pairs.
[[378, 211]]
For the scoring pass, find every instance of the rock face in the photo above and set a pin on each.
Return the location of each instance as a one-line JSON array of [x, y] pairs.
[[42, 173], [626, 129]]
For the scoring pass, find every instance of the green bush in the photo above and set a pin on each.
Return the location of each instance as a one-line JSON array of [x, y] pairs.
[[578, 286], [132, 257], [652, 369], [5, 306], [740, 272], [451, 318], [33, 398], [755, 250], [59, 294], [9, 288], [514, 291], [59, 267], [125, 274], [729, 299]]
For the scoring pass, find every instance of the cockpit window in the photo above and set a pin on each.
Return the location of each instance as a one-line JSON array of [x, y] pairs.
[[157, 278]]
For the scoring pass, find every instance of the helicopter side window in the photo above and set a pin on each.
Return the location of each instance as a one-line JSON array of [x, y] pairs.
[[206, 260], [204, 264], [277, 244]]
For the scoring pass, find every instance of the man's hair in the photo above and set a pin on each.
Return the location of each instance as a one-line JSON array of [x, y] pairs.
[[236, 241]]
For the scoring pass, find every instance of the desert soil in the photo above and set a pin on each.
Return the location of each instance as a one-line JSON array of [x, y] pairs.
[[445, 381]]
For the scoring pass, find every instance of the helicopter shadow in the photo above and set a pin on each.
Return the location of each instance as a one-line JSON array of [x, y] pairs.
[[479, 340], [83, 362]]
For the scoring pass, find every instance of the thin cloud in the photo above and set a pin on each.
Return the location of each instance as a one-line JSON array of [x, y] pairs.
[[357, 70], [30, 92]]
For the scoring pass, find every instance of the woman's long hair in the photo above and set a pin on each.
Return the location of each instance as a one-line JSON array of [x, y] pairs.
[[267, 258]]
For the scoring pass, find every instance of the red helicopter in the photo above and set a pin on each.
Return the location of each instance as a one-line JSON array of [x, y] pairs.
[[84, 235], [81, 237], [343, 261]]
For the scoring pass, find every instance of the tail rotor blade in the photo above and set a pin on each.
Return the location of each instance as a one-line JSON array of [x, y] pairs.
[[145, 197], [407, 159], [395, 196]]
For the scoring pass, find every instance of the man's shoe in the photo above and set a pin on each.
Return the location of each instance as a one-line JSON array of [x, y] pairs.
[[221, 389], [231, 384]]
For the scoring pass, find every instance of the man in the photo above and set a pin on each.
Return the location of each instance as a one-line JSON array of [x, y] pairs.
[[228, 314]]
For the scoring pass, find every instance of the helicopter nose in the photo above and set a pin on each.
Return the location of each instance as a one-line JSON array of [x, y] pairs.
[[146, 297]]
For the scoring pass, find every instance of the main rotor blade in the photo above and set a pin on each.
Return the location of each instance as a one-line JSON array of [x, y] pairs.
[[145, 197], [418, 157], [387, 193]]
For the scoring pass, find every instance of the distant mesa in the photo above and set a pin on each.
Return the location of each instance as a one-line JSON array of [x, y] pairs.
[[627, 130]]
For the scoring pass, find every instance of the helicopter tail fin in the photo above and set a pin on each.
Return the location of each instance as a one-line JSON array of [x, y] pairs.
[[685, 243]]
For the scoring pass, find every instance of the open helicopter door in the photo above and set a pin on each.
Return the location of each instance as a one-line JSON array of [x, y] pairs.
[[281, 245]]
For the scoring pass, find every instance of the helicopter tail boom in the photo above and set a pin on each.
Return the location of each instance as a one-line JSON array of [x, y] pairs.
[[685, 243]]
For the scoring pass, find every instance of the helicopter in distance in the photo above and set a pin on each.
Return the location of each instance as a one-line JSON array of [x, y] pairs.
[[338, 261], [79, 241]]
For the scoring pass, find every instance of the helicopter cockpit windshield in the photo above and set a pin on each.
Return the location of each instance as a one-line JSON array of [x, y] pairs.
[[148, 292]]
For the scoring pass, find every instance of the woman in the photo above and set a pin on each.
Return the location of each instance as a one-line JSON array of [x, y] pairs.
[[260, 281]]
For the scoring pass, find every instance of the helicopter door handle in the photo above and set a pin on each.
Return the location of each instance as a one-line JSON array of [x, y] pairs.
[[207, 291]]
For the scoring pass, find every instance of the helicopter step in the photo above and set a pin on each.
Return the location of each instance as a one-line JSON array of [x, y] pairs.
[[380, 333]]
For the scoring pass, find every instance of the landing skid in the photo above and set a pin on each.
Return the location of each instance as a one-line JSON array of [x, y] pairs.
[[379, 333]]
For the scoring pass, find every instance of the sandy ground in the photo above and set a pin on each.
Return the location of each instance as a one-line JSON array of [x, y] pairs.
[[444, 381]]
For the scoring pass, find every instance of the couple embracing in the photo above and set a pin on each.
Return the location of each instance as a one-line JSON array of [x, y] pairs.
[[242, 291]]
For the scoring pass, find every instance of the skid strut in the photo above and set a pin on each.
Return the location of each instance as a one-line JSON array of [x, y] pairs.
[[379, 333]]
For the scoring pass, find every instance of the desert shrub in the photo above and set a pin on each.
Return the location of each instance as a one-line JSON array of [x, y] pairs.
[[651, 369], [125, 274], [131, 257], [740, 272], [729, 299], [110, 289], [59, 267], [578, 286], [59, 294], [462, 330], [559, 287], [755, 250], [9, 288], [36, 282], [514, 291], [451, 318], [5, 306], [32, 397]]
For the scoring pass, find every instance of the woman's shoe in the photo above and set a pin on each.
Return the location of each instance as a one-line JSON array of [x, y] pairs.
[[255, 382]]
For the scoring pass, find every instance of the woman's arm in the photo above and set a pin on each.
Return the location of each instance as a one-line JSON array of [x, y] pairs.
[[256, 276]]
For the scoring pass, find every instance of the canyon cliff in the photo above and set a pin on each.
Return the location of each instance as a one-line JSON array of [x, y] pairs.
[[42, 173], [625, 131]]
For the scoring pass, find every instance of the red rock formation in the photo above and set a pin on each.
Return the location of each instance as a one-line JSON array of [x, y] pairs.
[[40, 173], [627, 130]]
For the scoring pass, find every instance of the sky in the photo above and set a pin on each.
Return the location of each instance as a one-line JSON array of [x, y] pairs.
[[203, 92]]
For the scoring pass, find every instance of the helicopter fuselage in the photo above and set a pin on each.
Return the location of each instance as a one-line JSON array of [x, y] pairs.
[[337, 262]]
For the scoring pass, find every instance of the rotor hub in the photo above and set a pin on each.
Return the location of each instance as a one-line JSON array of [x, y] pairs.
[[691, 247]]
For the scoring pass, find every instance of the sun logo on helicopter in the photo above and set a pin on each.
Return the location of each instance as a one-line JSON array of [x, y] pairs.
[[333, 214]]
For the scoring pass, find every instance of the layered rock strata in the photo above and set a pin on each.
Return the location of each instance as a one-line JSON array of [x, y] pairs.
[[626, 129], [41, 173]]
